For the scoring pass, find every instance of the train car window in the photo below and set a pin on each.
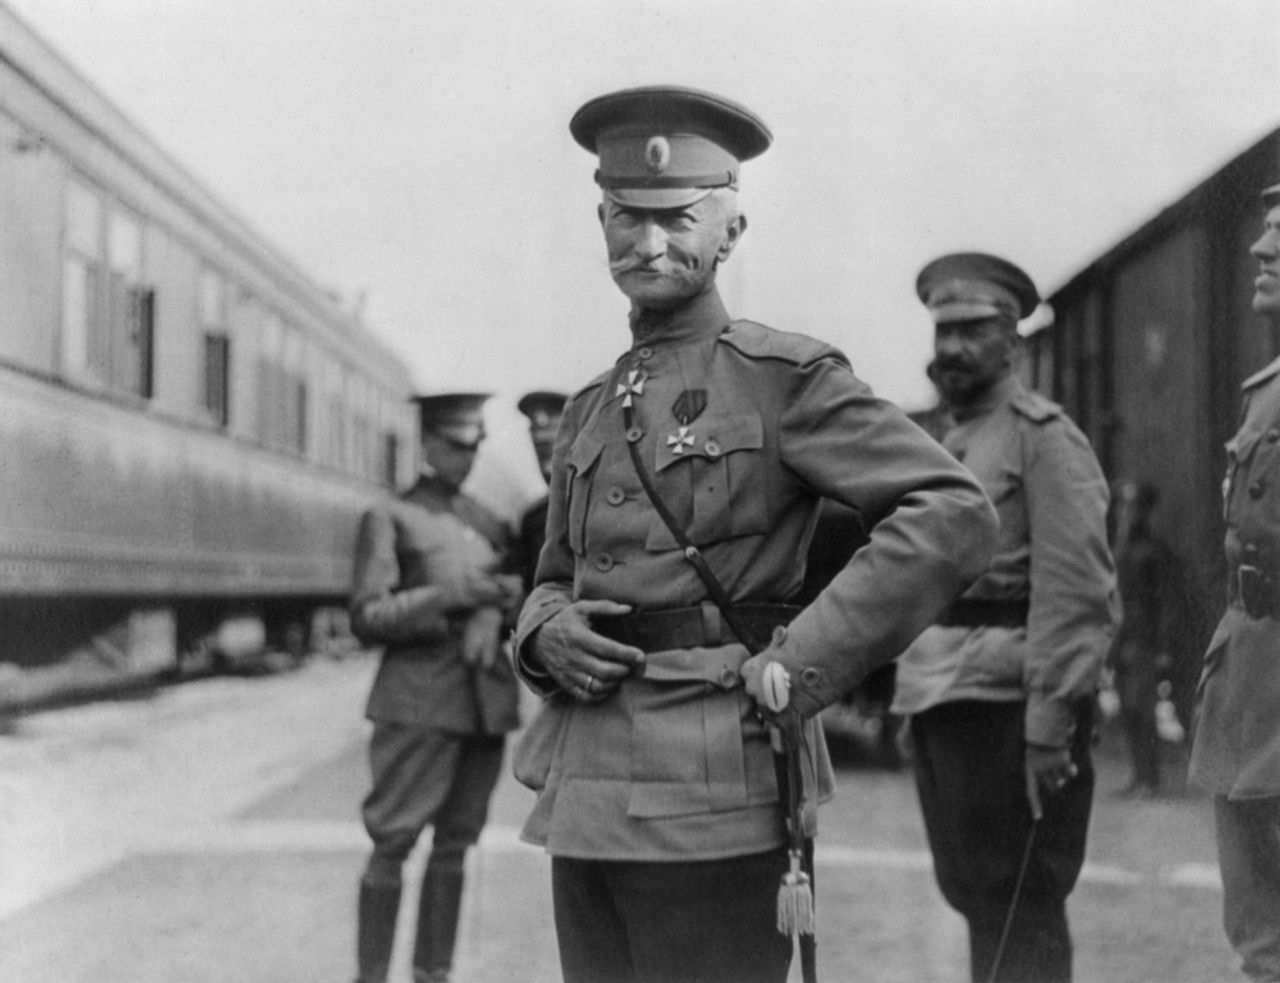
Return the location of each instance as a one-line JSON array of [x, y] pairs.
[[212, 302], [81, 272]]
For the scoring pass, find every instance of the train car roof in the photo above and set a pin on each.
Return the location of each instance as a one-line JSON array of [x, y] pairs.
[[25, 52]]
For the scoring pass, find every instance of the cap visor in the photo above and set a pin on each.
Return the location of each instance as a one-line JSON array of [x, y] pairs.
[[659, 198]]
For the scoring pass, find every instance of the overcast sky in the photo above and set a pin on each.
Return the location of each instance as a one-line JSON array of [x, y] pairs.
[[419, 151]]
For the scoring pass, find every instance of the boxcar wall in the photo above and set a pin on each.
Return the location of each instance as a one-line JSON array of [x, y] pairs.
[[1147, 351], [189, 426]]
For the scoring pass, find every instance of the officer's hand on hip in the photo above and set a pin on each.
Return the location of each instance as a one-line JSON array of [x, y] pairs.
[[583, 663], [1048, 769]]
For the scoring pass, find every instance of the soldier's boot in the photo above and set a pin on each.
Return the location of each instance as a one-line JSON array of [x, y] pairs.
[[437, 924], [376, 931]]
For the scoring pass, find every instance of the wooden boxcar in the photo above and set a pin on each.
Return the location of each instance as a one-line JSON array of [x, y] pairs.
[[189, 425], [1148, 348]]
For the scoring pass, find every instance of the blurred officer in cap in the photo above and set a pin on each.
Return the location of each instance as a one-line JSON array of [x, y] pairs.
[[428, 587], [701, 458], [544, 410], [1236, 752], [1001, 689]]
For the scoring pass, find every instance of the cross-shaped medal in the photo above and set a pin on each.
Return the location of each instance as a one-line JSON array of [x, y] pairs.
[[634, 386], [681, 439]]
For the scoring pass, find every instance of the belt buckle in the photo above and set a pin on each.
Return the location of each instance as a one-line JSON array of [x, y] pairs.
[[1257, 591]]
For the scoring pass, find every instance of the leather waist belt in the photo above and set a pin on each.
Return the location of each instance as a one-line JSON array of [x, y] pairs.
[[970, 613], [692, 627]]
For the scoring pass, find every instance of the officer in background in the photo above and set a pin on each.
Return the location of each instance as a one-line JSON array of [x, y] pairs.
[[1000, 691], [428, 587], [657, 795], [544, 410], [1236, 749], [1146, 573]]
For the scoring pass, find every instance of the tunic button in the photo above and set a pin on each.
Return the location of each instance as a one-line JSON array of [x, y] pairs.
[[1257, 488], [711, 448], [1251, 550], [634, 434], [728, 677], [645, 353], [810, 676], [1273, 436], [604, 562], [615, 496]]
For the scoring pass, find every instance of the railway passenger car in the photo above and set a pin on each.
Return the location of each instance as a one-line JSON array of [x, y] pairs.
[[189, 425], [1147, 351]]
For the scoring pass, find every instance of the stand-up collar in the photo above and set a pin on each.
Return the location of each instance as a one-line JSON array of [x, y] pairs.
[[704, 316]]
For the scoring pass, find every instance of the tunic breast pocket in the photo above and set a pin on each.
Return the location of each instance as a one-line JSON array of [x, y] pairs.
[[583, 456], [718, 487], [1251, 476]]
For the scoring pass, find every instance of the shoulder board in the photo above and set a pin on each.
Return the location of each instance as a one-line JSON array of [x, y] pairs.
[[595, 383], [757, 341], [1260, 377], [1035, 407]]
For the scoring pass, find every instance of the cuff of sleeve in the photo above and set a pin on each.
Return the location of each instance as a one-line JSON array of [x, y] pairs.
[[812, 687], [1049, 722]]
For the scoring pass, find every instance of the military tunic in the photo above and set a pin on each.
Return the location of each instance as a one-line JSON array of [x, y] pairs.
[[410, 556], [675, 762], [1237, 740], [1051, 498], [1236, 750]]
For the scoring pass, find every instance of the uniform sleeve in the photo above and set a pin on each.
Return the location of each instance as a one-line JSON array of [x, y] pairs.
[[553, 580], [1074, 605], [381, 614], [932, 531]]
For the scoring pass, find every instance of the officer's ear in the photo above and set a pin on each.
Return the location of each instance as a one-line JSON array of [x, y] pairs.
[[600, 213], [733, 232]]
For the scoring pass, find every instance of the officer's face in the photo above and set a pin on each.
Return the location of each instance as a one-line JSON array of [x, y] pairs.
[[1266, 296], [970, 357], [661, 257], [450, 460]]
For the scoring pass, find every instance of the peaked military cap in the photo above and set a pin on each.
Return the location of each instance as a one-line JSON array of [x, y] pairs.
[[965, 286], [667, 146], [544, 410], [457, 417], [1271, 196]]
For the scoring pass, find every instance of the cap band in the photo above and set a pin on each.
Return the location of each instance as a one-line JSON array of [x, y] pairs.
[[967, 300]]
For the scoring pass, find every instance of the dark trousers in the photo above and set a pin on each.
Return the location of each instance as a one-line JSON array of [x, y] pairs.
[[696, 922], [970, 776]]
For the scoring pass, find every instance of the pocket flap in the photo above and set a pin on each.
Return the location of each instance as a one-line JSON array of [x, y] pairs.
[[713, 438], [582, 455]]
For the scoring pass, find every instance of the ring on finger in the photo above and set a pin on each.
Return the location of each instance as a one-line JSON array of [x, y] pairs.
[[591, 683]]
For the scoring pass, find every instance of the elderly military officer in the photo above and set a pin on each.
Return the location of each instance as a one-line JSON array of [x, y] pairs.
[[544, 410], [1000, 691], [1236, 753], [428, 587], [657, 793]]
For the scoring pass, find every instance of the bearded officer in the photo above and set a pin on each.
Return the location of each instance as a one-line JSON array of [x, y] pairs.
[[657, 793], [1000, 692], [428, 587], [544, 409], [1236, 751]]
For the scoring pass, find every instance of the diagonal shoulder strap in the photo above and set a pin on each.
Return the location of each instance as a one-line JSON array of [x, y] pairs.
[[691, 552]]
